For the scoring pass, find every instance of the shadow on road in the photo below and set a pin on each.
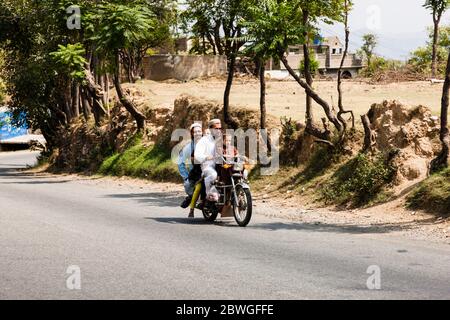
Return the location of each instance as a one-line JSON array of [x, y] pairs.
[[277, 226], [340, 228], [197, 221], [173, 200], [379, 228], [25, 177], [154, 199], [36, 182], [173, 220], [9, 172]]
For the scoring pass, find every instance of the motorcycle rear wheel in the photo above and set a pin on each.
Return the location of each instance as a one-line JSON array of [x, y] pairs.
[[210, 212]]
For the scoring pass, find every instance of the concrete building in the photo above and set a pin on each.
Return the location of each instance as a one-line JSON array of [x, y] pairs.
[[328, 52]]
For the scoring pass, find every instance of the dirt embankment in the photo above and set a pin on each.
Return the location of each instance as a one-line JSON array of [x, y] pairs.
[[84, 146], [412, 133]]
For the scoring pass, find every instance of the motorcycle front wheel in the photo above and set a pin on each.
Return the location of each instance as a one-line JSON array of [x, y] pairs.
[[243, 211]]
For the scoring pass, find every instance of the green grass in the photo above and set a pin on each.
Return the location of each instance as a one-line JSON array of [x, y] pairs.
[[139, 161], [432, 194], [360, 181]]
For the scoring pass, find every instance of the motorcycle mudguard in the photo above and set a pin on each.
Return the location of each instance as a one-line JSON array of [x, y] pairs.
[[243, 185]]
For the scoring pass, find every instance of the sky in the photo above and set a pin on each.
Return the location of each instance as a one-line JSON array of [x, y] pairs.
[[401, 25]]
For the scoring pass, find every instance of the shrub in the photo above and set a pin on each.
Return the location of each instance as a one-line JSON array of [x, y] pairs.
[[359, 181], [433, 194]]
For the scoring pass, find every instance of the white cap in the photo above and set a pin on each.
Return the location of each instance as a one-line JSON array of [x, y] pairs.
[[195, 125], [213, 122]]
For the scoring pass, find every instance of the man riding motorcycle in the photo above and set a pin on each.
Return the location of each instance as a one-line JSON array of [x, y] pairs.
[[206, 153], [189, 171]]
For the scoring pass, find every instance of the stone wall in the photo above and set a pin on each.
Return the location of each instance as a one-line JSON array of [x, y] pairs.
[[183, 67]]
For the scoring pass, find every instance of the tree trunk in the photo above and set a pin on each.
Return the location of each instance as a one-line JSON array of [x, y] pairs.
[[309, 91], [217, 38], [369, 135], [226, 98], [262, 99], [96, 92], [67, 101], [106, 90], [126, 102], [76, 100], [133, 66], [211, 43], [342, 111], [309, 118], [101, 83], [84, 104], [442, 160], [435, 44], [203, 44]]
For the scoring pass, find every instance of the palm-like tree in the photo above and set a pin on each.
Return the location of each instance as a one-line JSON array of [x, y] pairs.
[[116, 28]]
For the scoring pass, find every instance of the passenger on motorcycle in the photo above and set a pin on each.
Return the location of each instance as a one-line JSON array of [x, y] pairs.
[[206, 152], [189, 171]]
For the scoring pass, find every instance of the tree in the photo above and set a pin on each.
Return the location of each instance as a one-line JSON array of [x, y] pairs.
[[232, 15], [132, 57], [437, 8], [367, 49], [442, 160], [342, 111], [115, 29], [54, 74], [277, 24], [257, 48], [203, 19], [311, 12], [421, 58], [219, 22], [71, 61], [31, 30]]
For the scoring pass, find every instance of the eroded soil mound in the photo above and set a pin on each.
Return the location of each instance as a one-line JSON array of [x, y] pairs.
[[81, 148], [412, 133]]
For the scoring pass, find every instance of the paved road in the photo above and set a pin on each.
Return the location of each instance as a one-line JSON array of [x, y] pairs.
[[138, 244]]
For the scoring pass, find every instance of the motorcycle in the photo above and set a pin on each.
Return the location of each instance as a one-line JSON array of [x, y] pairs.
[[234, 193]]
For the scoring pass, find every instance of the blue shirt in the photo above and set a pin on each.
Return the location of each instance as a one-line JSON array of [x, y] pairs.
[[184, 160]]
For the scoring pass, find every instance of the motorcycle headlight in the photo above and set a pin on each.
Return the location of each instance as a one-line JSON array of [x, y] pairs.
[[245, 174], [238, 167]]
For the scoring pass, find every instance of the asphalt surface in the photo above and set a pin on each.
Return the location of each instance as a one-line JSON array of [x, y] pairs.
[[136, 244]]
